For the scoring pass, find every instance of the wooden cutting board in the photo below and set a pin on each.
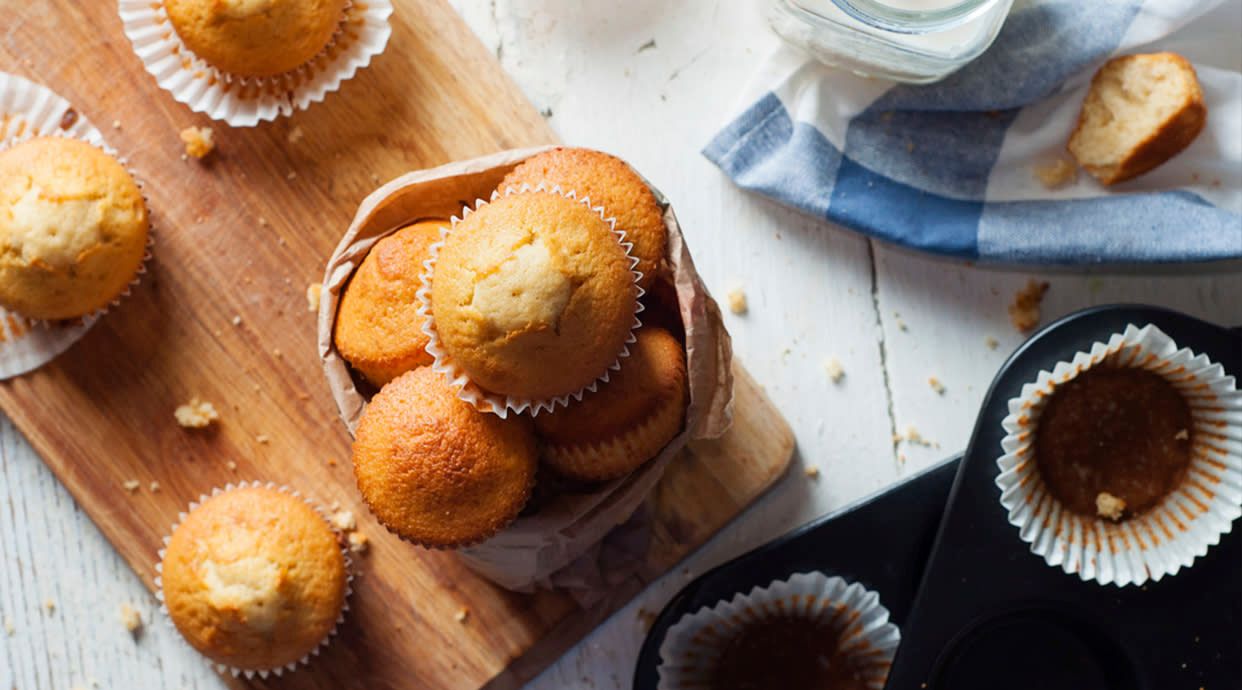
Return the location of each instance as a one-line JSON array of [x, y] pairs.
[[243, 234]]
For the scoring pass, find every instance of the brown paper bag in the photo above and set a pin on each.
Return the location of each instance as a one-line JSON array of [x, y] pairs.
[[562, 544]]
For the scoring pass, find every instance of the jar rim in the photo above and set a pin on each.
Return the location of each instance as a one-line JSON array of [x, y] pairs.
[[896, 20]]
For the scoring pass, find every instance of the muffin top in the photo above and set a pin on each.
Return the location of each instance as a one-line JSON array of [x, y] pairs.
[[378, 328], [533, 296], [254, 578], [435, 470], [73, 228], [255, 38], [653, 375], [611, 183]]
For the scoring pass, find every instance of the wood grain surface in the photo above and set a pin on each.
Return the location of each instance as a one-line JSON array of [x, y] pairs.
[[241, 235]]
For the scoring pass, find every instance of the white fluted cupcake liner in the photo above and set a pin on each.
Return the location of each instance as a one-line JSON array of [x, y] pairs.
[[29, 110], [502, 405], [1171, 535], [246, 101], [252, 672], [693, 645]]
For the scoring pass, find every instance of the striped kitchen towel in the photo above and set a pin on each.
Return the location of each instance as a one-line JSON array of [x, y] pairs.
[[949, 167]]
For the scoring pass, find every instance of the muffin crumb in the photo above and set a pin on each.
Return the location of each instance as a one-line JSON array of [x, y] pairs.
[[231, 465], [1056, 173], [811, 471], [131, 619], [50, 605], [737, 301], [236, 320], [199, 141], [1183, 435], [835, 371], [344, 520], [196, 414], [263, 439], [1109, 506], [116, 124], [991, 342], [901, 325], [154, 487], [313, 292], [1024, 311], [295, 135], [358, 542], [936, 385], [461, 615], [293, 175], [131, 485]]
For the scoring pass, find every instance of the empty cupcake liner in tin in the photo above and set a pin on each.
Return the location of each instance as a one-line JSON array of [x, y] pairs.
[[246, 101], [260, 672], [865, 638], [1169, 536], [29, 110], [503, 405]]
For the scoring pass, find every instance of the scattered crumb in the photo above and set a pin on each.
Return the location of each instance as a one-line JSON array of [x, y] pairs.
[[198, 141], [1182, 435], [155, 487], [901, 457], [936, 385], [236, 320], [1055, 174], [1109, 506], [913, 437], [277, 353], [811, 471], [116, 124], [292, 175], [295, 135], [900, 324], [313, 291], [196, 414], [185, 157], [461, 615], [737, 301], [131, 485], [262, 221], [375, 178], [262, 438], [1024, 311], [991, 342], [834, 369], [344, 520], [357, 542], [131, 619], [231, 465], [50, 605], [9, 629], [331, 462]]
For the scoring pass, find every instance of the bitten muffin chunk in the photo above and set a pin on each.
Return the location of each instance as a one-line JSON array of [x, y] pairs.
[[435, 470], [378, 328], [611, 183], [256, 38], [627, 421], [73, 228], [254, 578], [533, 296]]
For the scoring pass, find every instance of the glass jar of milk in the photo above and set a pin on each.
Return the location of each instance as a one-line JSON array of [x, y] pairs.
[[914, 41]]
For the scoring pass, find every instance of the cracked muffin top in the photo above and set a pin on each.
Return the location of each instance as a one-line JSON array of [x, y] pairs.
[[256, 38], [254, 578], [533, 296], [73, 228]]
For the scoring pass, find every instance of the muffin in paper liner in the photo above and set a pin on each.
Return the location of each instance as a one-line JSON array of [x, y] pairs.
[[246, 101], [1181, 527], [467, 390], [573, 541], [248, 672], [29, 110], [865, 636]]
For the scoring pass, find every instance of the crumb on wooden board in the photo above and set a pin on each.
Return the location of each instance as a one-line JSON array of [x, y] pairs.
[[198, 141], [196, 414]]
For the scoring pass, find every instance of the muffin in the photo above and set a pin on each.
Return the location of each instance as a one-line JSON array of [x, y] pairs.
[[610, 183], [435, 470], [73, 228], [254, 578], [533, 296], [256, 38], [613, 431], [378, 328]]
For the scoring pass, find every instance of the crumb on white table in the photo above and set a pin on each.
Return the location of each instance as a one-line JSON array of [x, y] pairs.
[[936, 385], [737, 301], [50, 605], [991, 342], [198, 141], [834, 369], [9, 628], [313, 293], [811, 471], [196, 414], [1109, 506], [1024, 310], [130, 618], [1056, 173]]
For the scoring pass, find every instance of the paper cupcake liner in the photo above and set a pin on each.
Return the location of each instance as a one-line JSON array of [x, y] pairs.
[[1166, 537], [692, 646], [246, 101], [502, 405], [29, 110], [250, 672]]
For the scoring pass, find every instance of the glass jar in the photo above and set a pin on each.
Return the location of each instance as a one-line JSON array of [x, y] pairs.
[[913, 41]]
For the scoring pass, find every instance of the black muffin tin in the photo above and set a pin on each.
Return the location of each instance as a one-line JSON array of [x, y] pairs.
[[977, 609]]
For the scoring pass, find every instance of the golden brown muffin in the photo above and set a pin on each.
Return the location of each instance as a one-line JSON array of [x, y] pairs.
[[436, 471], [378, 327], [610, 183], [533, 296], [73, 228], [254, 578], [256, 38], [627, 421]]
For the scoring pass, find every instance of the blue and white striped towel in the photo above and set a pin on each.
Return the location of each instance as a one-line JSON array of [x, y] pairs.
[[948, 167]]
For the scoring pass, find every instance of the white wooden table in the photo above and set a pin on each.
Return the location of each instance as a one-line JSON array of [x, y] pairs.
[[649, 80]]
